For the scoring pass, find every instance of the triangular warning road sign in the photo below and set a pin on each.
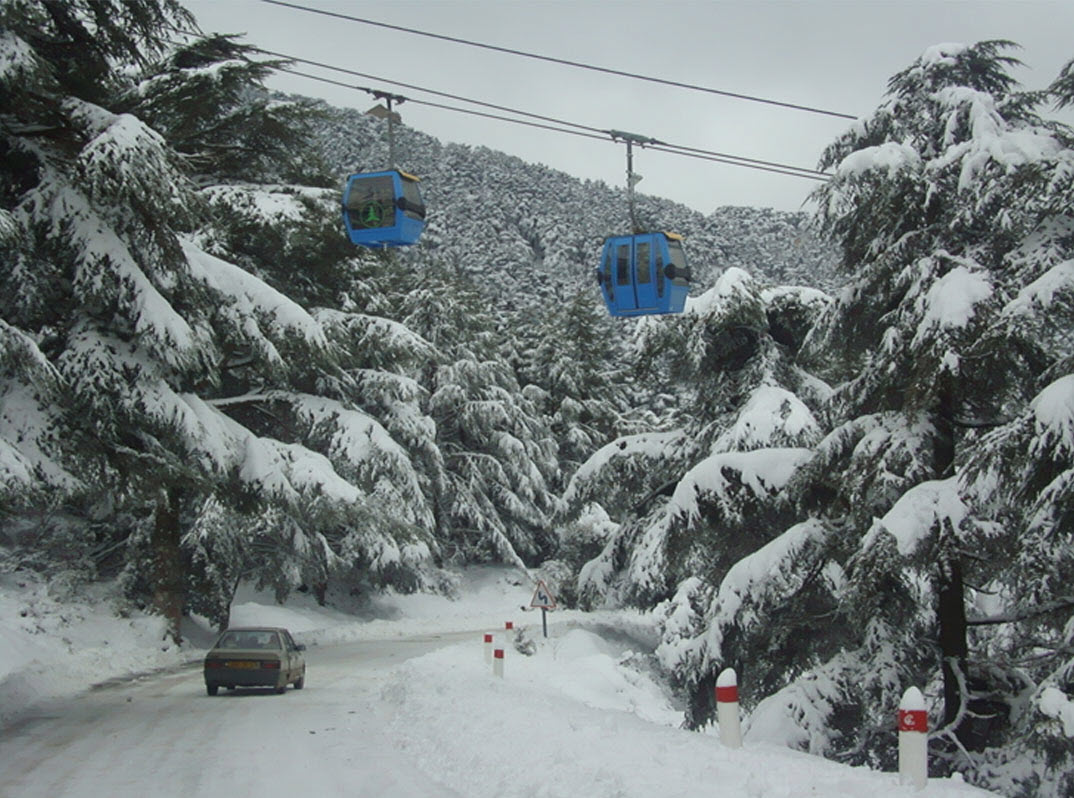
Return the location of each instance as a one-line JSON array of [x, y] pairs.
[[543, 598]]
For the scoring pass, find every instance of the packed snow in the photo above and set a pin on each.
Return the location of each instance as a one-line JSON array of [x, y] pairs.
[[584, 713]]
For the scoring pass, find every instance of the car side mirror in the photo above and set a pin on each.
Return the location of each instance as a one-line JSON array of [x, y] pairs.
[[300, 647]]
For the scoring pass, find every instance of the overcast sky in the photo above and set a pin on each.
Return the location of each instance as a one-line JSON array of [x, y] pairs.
[[831, 54]]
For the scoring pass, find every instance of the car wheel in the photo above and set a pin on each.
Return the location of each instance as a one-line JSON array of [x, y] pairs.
[[300, 682], [281, 689], [211, 689]]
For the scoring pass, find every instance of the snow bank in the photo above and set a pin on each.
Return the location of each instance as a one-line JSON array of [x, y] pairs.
[[571, 720], [52, 648]]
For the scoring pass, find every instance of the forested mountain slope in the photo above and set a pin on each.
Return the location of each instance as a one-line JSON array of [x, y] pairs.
[[527, 232]]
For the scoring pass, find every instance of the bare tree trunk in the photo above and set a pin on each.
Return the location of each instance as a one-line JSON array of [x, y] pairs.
[[953, 646], [951, 602], [167, 569]]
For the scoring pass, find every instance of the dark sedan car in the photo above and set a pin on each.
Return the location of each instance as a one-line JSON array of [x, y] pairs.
[[259, 656]]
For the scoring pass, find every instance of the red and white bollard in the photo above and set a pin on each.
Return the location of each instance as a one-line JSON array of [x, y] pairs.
[[509, 625], [497, 662], [727, 709], [913, 739], [488, 649]]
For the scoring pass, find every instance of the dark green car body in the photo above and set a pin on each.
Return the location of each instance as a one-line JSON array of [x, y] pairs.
[[255, 656]]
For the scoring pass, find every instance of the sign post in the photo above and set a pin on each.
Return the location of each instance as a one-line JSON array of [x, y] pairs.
[[543, 598]]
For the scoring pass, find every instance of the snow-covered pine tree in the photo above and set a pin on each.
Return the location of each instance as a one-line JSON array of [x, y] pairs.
[[944, 201], [206, 98], [204, 393], [96, 197], [695, 500], [573, 361], [355, 402], [494, 497]]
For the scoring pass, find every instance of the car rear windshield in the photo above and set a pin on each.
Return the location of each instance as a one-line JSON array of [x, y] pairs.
[[247, 640]]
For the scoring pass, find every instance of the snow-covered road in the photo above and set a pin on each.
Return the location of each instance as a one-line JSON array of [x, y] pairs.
[[163, 735], [399, 704]]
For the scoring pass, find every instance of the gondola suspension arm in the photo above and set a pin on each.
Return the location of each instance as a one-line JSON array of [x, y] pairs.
[[630, 139], [389, 99]]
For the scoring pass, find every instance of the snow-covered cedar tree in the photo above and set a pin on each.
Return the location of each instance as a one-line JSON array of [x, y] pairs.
[[206, 98], [34, 455], [951, 205], [201, 391], [499, 457], [291, 237], [692, 501], [1020, 480], [572, 361], [582, 541], [492, 491], [94, 197], [703, 507], [839, 545]]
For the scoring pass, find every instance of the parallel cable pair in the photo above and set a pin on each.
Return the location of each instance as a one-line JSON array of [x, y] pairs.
[[544, 122]]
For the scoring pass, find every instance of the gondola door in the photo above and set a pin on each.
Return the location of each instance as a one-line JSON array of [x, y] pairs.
[[645, 276], [626, 299]]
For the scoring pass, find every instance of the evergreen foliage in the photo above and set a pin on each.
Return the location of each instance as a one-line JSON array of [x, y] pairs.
[[920, 534], [838, 494]]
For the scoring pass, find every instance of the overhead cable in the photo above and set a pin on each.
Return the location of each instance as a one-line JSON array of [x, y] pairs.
[[446, 95], [447, 107], [600, 135], [562, 61], [722, 156], [555, 125]]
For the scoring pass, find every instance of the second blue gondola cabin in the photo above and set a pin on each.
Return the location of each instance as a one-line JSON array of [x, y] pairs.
[[383, 209], [644, 274]]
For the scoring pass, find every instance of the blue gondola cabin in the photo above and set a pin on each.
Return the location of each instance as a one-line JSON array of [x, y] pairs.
[[644, 274], [383, 209]]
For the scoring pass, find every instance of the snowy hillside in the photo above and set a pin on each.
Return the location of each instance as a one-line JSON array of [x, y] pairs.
[[527, 231]]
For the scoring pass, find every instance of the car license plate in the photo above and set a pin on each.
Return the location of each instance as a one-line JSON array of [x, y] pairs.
[[240, 664]]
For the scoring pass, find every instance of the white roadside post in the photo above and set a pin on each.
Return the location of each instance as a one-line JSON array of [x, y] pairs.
[[727, 708], [913, 739], [497, 662], [488, 648]]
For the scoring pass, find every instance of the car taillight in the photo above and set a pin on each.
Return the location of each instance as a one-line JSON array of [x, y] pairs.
[[270, 664], [214, 663]]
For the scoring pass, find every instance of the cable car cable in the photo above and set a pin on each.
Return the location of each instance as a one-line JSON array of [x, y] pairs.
[[507, 109], [689, 152], [428, 91], [449, 107], [592, 132], [564, 61]]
